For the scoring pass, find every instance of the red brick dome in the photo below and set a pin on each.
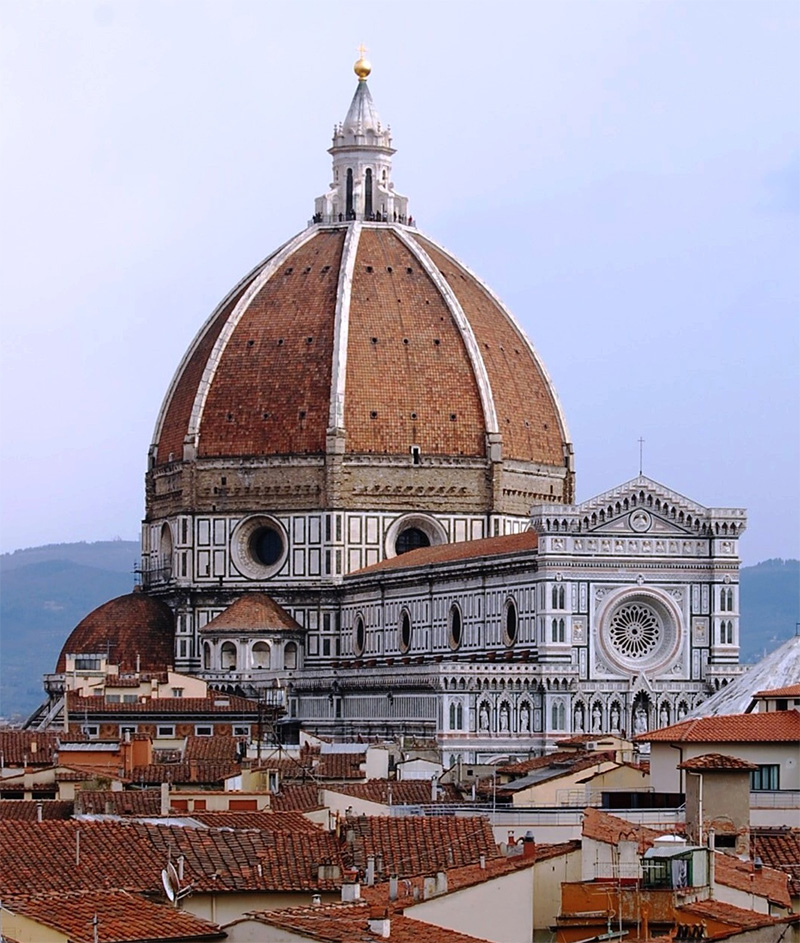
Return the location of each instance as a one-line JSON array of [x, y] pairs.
[[372, 331], [128, 628]]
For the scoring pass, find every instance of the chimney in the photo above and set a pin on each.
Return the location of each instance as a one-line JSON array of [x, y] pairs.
[[351, 892], [428, 887], [528, 845], [370, 870], [434, 790], [40, 807], [164, 808], [483, 862], [393, 886], [378, 864], [316, 900], [379, 924], [441, 882]]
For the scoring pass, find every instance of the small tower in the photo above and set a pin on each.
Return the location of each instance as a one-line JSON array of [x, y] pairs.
[[362, 187]]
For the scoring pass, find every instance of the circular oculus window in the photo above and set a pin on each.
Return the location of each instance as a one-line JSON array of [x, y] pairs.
[[405, 631], [455, 628], [640, 632], [259, 547], [412, 531]]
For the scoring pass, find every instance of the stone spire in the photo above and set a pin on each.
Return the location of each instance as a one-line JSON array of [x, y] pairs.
[[362, 151]]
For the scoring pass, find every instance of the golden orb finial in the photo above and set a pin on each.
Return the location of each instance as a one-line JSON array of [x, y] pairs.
[[362, 68]]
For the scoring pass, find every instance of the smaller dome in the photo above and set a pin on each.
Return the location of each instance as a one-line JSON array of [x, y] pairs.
[[131, 626]]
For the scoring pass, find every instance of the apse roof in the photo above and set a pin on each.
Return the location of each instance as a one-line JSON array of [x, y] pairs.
[[253, 612]]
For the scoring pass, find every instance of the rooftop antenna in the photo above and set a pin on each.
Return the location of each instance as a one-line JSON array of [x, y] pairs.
[[641, 444]]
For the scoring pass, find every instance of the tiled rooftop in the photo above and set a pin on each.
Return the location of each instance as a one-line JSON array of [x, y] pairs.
[[764, 882], [121, 917], [265, 821], [777, 726], [196, 772], [217, 748], [136, 630], [130, 855], [176, 706], [28, 810], [728, 913], [712, 761], [127, 802], [791, 690], [411, 846], [27, 747], [453, 553], [252, 611], [393, 792], [779, 847], [296, 797], [347, 923]]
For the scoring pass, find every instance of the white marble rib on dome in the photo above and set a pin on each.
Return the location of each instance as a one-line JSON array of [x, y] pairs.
[[779, 669]]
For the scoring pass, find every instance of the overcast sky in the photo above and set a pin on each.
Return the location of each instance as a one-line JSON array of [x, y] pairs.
[[626, 175]]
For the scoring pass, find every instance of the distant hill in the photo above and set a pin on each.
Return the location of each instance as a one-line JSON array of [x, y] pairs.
[[44, 594], [770, 606], [46, 591]]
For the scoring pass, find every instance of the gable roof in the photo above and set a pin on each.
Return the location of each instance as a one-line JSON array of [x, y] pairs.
[[130, 855], [717, 761], [253, 612], [779, 848], [456, 552], [776, 726], [344, 923], [27, 747], [411, 845], [122, 917], [791, 690]]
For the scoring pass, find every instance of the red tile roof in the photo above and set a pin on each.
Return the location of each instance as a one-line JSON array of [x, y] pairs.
[[453, 553], [207, 773], [764, 882], [791, 690], [253, 612], [346, 923], [776, 726], [128, 802], [728, 913], [411, 845], [779, 847], [130, 855], [28, 809], [217, 748], [177, 706], [136, 630], [611, 829], [27, 747], [712, 761], [296, 797], [393, 792], [337, 766], [121, 917], [265, 821]]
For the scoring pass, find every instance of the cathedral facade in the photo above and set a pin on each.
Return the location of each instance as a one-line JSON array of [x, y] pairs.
[[360, 498]]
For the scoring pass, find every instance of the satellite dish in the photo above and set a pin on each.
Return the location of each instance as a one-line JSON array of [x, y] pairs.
[[169, 890], [174, 880]]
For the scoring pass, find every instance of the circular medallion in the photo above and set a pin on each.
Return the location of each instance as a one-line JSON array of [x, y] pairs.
[[640, 521]]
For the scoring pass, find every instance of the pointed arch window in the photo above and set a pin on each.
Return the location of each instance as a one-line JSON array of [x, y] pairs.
[[349, 193], [368, 193]]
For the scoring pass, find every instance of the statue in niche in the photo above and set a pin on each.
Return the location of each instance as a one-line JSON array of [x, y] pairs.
[[525, 718], [597, 718], [663, 715], [615, 716], [681, 710], [579, 719], [640, 720], [505, 720], [483, 717]]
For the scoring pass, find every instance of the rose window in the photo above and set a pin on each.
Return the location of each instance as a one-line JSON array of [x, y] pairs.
[[635, 631]]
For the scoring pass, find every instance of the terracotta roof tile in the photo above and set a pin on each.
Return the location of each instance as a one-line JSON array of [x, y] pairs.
[[196, 772], [611, 829], [411, 845], [779, 848], [457, 552], [178, 706], [253, 612], [130, 855], [113, 802], [28, 809], [764, 882], [791, 690], [136, 630], [219, 749], [337, 766], [345, 923], [121, 917], [775, 726], [392, 792], [728, 913], [27, 747], [265, 821], [296, 797], [712, 761]]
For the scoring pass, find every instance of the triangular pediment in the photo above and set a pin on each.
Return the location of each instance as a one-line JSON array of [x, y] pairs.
[[641, 506]]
